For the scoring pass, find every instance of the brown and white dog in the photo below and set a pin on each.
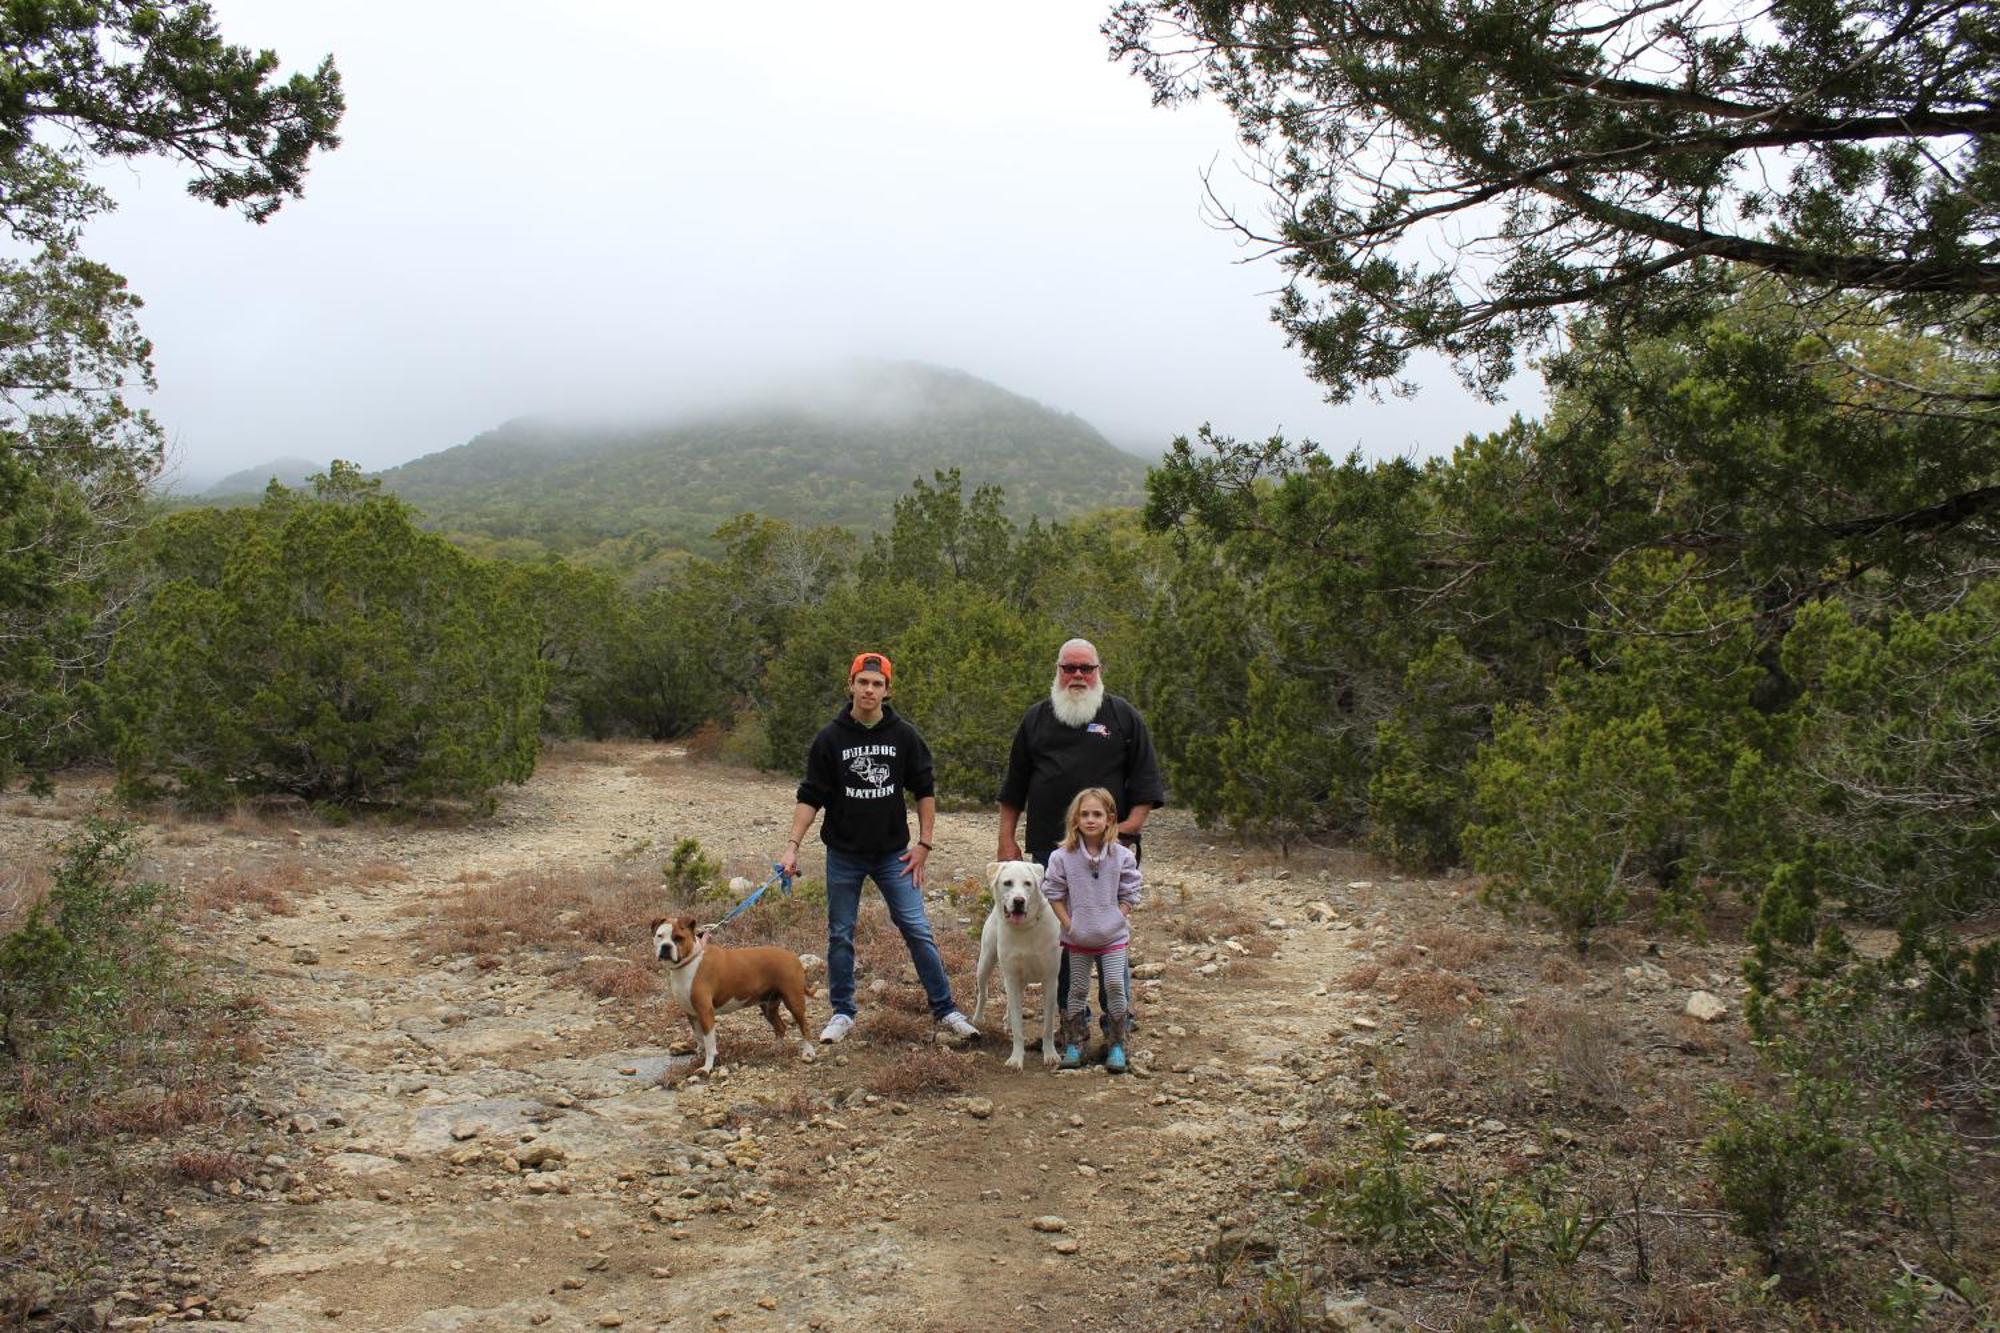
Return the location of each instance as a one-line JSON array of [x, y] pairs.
[[708, 980], [1023, 940]]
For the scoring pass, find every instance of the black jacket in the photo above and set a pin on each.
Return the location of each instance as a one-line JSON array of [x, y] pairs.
[[858, 774], [1050, 763]]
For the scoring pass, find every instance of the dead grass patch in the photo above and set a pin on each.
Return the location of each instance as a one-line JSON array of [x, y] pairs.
[[926, 1072], [1360, 977], [631, 979], [1261, 945], [909, 999], [1561, 970], [578, 753], [1578, 1050], [381, 872], [1210, 922], [269, 889], [1456, 948], [549, 909], [21, 887], [704, 744], [203, 1166], [1435, 994], [885, 1025]]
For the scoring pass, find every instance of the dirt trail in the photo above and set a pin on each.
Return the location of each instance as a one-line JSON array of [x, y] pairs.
[[448, 1146]]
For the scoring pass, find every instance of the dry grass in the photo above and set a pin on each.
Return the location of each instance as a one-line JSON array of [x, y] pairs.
[[1432, 995], [1457, 948], [203, 1165], [1576, 1048], [21, 887], [562, 909], [1360, 977], [705, 745], [1211, 921], [62, 1115], [67, 805], [270, 889], [381, 872], [909, 999], [577, 753], [1561, 970], [885, 1024], [925, 1072], [632, 979]]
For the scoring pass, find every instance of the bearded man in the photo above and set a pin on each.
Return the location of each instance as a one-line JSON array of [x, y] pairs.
[[1078, 737]]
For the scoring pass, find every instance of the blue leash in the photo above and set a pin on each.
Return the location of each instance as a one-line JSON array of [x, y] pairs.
[[778, 876]]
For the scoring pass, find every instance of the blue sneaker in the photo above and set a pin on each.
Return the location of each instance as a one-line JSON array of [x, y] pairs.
[[1114, 1059], [1072, 1057]]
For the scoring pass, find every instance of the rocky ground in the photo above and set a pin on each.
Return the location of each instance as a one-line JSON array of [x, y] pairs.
[[446, 1138]]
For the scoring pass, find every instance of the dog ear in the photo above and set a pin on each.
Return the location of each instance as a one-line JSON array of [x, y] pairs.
[[993, 872], [658, 921], [1040, 870]]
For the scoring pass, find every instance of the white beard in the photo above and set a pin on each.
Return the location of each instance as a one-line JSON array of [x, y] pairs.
[[1076, 710]]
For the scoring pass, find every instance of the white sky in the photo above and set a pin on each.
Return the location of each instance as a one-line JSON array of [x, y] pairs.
[[607, 207]]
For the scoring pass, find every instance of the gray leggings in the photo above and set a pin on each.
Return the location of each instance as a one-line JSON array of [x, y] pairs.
[[1113, 968]]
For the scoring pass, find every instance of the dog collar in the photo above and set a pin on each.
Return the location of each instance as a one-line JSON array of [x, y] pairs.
[[700, 943]]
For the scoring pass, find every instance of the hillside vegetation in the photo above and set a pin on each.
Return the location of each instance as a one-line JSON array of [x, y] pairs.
[[839, 454]]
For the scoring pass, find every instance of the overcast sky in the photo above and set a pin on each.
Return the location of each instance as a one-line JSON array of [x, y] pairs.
[[602, 208]]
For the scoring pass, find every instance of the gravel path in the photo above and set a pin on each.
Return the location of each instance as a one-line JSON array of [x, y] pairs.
[[448, 1143]]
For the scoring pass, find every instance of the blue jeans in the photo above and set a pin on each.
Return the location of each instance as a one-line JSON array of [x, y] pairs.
[[844, 873]]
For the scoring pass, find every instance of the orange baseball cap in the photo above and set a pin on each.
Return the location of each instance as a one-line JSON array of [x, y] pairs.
[[872, 662]]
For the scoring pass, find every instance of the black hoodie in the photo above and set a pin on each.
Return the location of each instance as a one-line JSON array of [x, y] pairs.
[[858, 774]]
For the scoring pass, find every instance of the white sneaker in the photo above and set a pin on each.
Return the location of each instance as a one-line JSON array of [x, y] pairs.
[[958, 1025], [837, 1027]]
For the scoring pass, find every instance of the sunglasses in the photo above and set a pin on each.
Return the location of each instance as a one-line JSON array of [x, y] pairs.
[[1077, 668]]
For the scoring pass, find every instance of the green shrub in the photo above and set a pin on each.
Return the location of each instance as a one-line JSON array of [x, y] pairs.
[[691, 874], [1791, 1169], [1649, 768], [1420, 793], [1383, 1199], [89, 955], [1900, 741], [334, 651], [964, 671]]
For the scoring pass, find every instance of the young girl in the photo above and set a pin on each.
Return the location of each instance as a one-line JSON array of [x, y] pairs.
[[1093, 883]]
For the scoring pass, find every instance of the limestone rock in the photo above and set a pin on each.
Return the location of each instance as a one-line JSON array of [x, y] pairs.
[[1706, 1007]]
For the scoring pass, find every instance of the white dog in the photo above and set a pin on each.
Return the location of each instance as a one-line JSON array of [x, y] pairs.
[[1024, 939]]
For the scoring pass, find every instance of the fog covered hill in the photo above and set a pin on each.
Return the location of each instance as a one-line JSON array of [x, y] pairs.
[[251, 481], [837, 450]]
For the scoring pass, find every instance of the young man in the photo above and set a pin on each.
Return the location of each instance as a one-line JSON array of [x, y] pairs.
[[857, 770]]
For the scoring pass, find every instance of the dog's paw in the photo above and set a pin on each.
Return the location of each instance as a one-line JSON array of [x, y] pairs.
[[1051, 1057], [1014, 1061]]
